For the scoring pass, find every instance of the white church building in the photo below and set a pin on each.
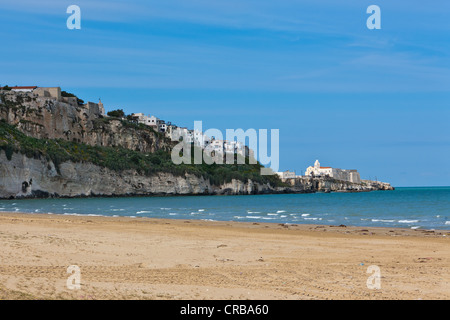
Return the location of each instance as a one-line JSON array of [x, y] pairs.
[[338, 174]]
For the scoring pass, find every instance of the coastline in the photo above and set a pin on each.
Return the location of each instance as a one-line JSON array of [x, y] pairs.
[[147, 258], [282, 190]]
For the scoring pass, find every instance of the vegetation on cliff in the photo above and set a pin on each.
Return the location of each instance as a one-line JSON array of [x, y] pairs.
[[116, 113], [119, 159]]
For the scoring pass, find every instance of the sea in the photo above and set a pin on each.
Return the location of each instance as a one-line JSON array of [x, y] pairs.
[[415, 208]]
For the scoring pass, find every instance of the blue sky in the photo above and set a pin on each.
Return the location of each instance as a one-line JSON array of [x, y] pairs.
[[374, 100]]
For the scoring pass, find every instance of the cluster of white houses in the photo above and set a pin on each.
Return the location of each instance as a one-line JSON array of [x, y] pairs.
[[318, 171], [195, 137]]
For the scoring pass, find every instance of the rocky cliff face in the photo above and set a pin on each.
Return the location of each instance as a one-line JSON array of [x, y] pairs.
[[42, 117], [326, 184], [23, 177]]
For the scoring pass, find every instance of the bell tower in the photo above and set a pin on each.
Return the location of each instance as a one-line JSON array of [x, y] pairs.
[[317, 164], [101, 107]]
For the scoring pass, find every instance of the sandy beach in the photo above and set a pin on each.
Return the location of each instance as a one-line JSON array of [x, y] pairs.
[[143, 258]]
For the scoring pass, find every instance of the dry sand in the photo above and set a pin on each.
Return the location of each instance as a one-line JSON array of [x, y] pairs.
[[140, 258]]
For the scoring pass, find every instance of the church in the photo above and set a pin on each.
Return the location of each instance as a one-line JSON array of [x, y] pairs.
[[335, 173]]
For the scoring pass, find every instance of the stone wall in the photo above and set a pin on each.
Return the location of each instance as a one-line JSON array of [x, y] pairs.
[[49, 92]]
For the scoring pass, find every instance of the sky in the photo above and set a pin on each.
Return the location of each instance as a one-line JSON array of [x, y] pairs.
[[373, 100]]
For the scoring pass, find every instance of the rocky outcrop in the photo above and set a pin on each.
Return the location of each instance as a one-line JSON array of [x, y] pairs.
[[327, 184], [23, 177], [49, 118]]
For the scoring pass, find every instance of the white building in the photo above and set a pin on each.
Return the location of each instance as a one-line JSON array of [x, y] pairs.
[[151, 121], [139, 117], [286, 174], [176, 133], [236, 147], [171, 131], [161, 125], [338, 174], [218, 146], [200, 140]]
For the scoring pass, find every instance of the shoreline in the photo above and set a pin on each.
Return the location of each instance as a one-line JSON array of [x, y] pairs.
[[291, 225], [147, 258], [373, 230], [44, 196]]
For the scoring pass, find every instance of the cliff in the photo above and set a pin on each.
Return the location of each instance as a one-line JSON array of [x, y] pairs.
[[57, 148], [23, 177], [49, 118]]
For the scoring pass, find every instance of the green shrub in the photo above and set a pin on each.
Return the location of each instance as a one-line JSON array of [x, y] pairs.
[[116, 113]]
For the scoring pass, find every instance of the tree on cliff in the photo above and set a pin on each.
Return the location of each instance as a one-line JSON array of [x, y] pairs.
[[116, 113]]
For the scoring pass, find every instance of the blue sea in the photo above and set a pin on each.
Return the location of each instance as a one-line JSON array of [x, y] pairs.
[[416, 208]]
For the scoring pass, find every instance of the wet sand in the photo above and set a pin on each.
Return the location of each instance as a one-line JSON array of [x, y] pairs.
[[142, 258]]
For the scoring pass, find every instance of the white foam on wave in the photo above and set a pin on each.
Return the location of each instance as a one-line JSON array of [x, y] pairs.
[[83, 214], [305, 214], [268, 218], [417, 227], [313, 218], [253, 217], [280, 211], [139, 212], [381, 220], [201, 210], [408, 221], [272, 214], [253, 212], [283, 216], [447, 222], [172, 214]]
